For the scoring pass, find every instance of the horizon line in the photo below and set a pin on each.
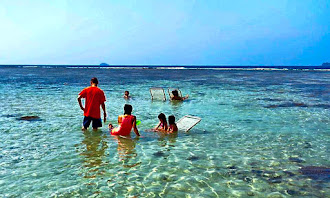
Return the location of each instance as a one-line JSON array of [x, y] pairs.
[[158, 65], [224, 67]]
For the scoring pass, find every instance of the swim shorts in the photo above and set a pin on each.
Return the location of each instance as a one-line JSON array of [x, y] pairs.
[[96, 122]]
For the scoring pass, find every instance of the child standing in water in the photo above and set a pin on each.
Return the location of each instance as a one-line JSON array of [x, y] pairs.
[[162, 126], [126, 123], [172, 128]]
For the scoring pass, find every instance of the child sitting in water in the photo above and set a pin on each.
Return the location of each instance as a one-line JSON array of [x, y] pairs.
[[126, 122], [177, 97], [172, 128], [162, 126]]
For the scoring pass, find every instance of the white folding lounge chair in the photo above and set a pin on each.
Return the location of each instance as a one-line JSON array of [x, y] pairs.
[[157, 93], [172, 89], [187, 122]]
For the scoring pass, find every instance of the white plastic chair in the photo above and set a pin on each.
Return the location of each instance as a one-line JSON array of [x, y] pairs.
[[187, 122], [157, 93]]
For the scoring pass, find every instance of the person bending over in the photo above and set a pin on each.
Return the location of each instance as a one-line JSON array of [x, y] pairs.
[[162, 125]]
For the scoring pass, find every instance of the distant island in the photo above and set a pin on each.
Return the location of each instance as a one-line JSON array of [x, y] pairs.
[[104, 64], [326, 64]]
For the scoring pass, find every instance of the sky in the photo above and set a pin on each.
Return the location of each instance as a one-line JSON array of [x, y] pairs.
[[152, 32]]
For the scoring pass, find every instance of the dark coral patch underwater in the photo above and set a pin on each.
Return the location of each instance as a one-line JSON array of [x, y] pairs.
[[316, 172]]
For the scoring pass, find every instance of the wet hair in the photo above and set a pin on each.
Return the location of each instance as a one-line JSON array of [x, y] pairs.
[[162, 117], [127, 92], [128, 109], [171, 119], [175, 93], [94, 80]]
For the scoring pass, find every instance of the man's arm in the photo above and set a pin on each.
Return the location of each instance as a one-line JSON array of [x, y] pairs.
[[80, 103], [104, 112]]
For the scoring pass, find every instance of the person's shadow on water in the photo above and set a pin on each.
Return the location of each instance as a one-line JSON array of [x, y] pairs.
[[95, 147]]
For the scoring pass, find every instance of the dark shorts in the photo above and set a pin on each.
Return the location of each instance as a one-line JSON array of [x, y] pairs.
[[96, 122]]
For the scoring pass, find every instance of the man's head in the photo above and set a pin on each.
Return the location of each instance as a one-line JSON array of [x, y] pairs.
[[126, 93], [94, 81]]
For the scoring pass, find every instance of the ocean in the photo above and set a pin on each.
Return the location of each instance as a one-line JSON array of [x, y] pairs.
[[263, 133]]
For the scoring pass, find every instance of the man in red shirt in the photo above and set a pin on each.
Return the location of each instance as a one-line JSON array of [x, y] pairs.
[[94, 98]]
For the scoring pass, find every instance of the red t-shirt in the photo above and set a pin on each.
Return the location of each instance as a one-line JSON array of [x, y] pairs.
[[94, 97]]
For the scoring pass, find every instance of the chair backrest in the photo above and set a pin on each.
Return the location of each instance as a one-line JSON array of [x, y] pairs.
[[187, 122], [172, 89], [157, 93]]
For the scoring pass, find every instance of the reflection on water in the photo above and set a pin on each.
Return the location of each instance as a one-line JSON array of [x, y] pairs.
[[126, 150], [94, 152], [164, 137]]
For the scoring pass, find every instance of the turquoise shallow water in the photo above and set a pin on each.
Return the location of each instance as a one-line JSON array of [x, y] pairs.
[[258, 129]]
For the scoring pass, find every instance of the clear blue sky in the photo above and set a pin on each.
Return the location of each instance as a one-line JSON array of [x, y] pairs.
[[210, 32]]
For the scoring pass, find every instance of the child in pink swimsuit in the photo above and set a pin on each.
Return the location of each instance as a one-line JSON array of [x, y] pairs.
[[126, 123], [172, 128], [162, 125]]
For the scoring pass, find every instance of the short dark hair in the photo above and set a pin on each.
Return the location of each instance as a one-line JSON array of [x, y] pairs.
[[162, 117], [171, 119], [175, 93], [94, 80], [128, 109]]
